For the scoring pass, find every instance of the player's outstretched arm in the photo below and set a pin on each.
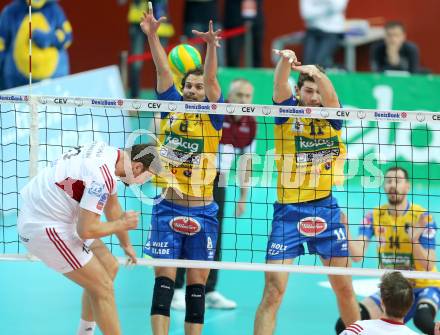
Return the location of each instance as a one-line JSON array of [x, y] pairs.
[[113, 211], [149, 26], [211, 37], [90, 226], [328, 93], [424, 256], [356, 246], [281, 87]]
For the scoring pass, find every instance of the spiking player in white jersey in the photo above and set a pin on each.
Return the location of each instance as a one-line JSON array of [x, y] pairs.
[[59, 222], [397, 296]]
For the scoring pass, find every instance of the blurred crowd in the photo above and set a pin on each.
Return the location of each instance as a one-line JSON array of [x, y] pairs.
[[324, 20]]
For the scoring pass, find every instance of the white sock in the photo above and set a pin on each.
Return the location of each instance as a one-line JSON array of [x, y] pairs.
[[86, 327]]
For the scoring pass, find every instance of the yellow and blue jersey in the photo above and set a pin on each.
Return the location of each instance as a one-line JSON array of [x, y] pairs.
[[51, 35], [188, 145], [310, 155], [395, 247]]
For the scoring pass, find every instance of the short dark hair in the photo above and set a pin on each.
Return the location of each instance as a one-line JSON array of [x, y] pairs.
[[196, 72], [145, 154], [396, 293], [305, 77], [394, 24], [398, 168]]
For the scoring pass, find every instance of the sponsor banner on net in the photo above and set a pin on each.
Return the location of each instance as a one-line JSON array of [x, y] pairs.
[[379, 115], [200, 107], [14, 98]]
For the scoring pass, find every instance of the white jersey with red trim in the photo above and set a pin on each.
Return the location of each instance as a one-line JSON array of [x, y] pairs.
[[378, 327], [81, 178]]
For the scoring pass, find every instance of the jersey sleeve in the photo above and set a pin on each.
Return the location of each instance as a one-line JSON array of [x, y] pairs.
[[366, 228], [288, 102], [427, 239], [99, 184], [95, 197], [171, 94]]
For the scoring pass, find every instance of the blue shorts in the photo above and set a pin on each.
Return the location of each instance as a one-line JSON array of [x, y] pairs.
[[316, 223], [430, 295], [179, 232]]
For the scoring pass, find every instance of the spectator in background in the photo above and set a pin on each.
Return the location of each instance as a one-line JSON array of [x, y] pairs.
[[238, 138], [138, 39], [325, 26], [51, 36], [197, 14], [394, 52], [237, 13]]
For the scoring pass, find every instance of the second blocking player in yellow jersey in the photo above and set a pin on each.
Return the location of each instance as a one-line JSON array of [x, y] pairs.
[[406, 241], [310, 157]]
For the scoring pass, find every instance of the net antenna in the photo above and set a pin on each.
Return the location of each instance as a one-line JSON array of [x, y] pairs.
[[33, 115]]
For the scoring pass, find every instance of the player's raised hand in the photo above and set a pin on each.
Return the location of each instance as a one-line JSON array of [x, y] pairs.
[[210, 36], [130, 253], [417, 229], [131, 219], [310, 70], [240, 207], [289, 55], [149, 24]]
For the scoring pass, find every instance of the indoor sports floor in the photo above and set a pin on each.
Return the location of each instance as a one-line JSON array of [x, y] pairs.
[[36, 300]]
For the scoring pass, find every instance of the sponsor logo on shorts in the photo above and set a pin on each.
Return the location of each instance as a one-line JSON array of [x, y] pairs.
[[96, 189], [312, 226], [185, 225], [101, 203], [276, 248]]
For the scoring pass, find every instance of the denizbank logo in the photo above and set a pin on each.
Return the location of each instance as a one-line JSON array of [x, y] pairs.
[[197, 107], [185, 144], [313, 144], [390, 115]]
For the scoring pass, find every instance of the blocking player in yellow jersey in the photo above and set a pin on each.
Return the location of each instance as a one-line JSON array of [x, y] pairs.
[[405, 233], [184, 223], [310, 156]]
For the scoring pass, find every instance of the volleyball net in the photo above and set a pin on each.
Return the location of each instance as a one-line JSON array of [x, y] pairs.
[[35, 130]]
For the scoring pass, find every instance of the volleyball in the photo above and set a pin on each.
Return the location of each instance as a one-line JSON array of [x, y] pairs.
[[183, 58]]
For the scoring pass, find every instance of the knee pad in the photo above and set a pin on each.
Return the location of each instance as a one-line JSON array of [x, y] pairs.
[[195, 303], [424, 318], [162, 296]]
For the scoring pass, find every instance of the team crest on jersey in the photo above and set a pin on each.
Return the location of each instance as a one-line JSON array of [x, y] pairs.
[[297, 125], [101, 203], [312, 226], [96, 189], [185, 225]]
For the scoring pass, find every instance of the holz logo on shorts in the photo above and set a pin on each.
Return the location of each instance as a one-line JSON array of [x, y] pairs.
[[312, 226], [185, 225]]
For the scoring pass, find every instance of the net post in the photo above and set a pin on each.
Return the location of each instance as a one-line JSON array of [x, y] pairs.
[[33, 137]]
